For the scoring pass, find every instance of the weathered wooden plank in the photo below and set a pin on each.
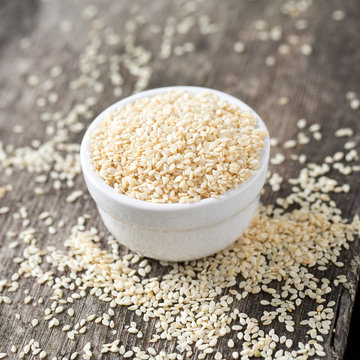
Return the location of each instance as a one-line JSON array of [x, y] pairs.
[[315, 85]]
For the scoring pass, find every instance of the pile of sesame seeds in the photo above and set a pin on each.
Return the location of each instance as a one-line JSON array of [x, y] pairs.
[[176, 147], [192, 302], [280, 275]]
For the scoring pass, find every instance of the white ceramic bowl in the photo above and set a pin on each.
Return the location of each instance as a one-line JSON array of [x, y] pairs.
[[175, 232]]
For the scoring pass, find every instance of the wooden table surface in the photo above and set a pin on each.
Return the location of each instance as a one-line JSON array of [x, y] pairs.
[[42, 40]]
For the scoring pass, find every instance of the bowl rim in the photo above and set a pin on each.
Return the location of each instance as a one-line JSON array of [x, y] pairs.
[[130, 202]]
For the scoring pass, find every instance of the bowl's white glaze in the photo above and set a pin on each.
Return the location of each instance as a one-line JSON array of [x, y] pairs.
[[175, 232]]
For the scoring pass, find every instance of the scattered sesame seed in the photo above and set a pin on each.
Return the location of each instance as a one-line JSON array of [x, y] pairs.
[[89, 12], [301, 123], [270, 60], [6, 300], [28, 299], [33, 80], [284, 49], [314, 127], [56, 71], [355, 104], [239, 47], [65, 26], [277, 159], [51, 230], [74, 196], [350, 95], [275, 182], [18, 129], [288, 343], [25, 43], [301, 24], [260, 24], [344, 132], [338, 15], [289, 144], [284, 100], [306, 49], [317, 136], [4, 210]]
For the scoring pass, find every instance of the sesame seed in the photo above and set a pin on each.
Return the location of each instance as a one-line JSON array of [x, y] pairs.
[[301, 123], [65, 26], [56, 71], [355, 104], [289, 144], [284, 49], [350, 95], [66, 327], [74, 195], [314, 127], [18, 129], [6, 300], [25, 43], [338, 15], [273, 142], [284, 100], [4, 210], [301, 24], [344, 132], [317, 136], [306, 49], [128, 354], [239, 47], [270, 61], [33, 80]]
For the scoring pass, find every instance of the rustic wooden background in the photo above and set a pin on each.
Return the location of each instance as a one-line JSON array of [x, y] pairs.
[[315, 86]]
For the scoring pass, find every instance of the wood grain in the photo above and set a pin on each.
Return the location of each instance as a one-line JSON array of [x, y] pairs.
[[315, 85]]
